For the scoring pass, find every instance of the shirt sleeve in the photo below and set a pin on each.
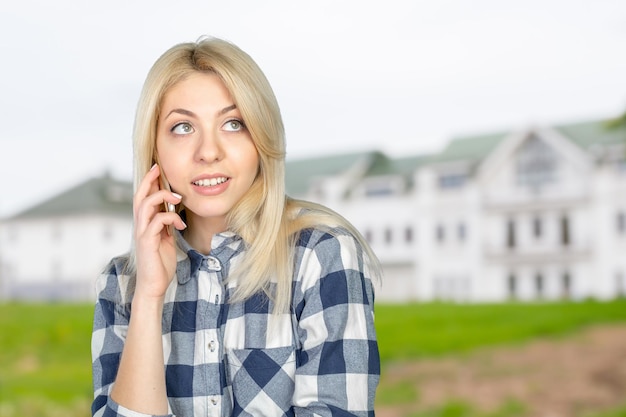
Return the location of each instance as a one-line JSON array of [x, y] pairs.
[[338, 365], [111, 316]]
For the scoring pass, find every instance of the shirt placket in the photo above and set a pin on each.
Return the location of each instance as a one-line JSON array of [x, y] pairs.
[[212, 340]]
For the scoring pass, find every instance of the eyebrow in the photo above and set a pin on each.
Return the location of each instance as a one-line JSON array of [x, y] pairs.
[[192, 114], [227, 109]]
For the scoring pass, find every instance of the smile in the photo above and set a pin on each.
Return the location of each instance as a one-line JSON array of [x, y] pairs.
[[210, 182]]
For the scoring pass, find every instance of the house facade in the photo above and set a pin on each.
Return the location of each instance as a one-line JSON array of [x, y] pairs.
[[55, 250], [535, 214]]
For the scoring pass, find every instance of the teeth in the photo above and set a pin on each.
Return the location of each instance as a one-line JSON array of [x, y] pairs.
[[210, 182]]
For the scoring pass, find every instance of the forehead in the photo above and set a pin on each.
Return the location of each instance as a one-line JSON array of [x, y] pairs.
[[199, 89]]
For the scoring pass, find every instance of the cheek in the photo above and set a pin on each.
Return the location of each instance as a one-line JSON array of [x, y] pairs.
[[255, 161], [169, 165], [255, 167]]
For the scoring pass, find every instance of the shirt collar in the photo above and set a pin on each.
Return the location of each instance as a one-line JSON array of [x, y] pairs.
[[224, 246]]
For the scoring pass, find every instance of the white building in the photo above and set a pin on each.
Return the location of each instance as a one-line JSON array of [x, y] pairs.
[[55, 250], [527, 215]]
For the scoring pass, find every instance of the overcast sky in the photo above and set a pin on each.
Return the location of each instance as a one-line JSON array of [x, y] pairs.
[[399, 76]]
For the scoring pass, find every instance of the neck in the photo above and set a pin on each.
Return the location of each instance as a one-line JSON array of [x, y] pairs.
[[200, 231]]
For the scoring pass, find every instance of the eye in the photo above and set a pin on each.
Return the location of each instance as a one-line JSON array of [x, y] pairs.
[[183, 128], [234, 125]]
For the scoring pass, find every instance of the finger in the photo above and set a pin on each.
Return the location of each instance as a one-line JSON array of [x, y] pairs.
[[171, 199], [150, 206], [157, 228], [147, 186]]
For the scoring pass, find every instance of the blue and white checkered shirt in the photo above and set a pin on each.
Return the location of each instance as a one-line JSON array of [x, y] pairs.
[[237, 359]]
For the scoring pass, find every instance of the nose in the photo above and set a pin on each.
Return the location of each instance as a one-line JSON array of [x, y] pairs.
[[209, 147]]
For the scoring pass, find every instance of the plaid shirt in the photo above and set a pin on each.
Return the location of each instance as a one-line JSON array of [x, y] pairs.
[[236, 358]]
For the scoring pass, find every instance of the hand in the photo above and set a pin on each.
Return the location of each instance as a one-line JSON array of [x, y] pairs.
[[155, 247]]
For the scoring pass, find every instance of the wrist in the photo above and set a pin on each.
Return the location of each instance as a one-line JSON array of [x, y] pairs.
[[147, 303]]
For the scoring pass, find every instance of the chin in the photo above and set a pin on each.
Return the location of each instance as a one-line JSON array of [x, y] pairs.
[[208, 213]]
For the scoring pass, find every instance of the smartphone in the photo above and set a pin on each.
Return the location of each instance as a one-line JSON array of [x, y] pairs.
[[164, 185]]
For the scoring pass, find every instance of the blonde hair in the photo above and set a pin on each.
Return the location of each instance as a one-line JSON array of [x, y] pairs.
[[265, 218]]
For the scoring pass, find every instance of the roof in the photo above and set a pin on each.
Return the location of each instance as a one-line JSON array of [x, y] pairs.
[[584, 134], [300, 172], [406, 166], [102, 195], [469, 148], [599, 132]]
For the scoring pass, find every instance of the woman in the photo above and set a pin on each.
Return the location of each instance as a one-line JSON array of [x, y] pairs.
[[244, 302]]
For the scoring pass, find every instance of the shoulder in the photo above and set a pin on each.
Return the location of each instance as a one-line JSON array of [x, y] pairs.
[[321, 251], [116, 281], [324, 239], [331, 269]]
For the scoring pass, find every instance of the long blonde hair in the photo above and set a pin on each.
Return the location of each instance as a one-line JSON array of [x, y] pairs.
[[267, 220]]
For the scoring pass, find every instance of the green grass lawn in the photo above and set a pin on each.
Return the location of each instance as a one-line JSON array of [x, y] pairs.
[[45, 362], [409, 331], [45, 359]]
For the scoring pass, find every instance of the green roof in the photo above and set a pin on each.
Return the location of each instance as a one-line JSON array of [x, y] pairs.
[[472, 148], [299, 173], [592, 133], [98, 195], [586, 134], [406, 166]]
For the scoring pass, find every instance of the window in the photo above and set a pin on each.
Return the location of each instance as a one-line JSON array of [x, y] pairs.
[[512, 286], [378, 190], [565, 232], [383, 186], [621, 222], [440, 233], [539, 285], [510, 234], [408, 234], [536, 163], [537, 227], [461, 231], [566, 282], [452, 180], [388, 235]]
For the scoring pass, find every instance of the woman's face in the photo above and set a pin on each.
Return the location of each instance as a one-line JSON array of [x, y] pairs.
[[204, 148]]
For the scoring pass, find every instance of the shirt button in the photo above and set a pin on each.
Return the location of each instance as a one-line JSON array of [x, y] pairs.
[[214, 264], [212, 345], [213, 401]]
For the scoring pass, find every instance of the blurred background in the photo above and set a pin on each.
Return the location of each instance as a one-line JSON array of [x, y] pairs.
[[479, 147]]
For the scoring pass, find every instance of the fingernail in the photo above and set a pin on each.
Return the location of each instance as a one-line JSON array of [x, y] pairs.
[[153, 166], [184, 224], [177, 195]]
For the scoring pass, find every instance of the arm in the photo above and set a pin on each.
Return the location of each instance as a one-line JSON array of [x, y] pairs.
[[339, 366], [139, 369], [140, 382], [110, 334]]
